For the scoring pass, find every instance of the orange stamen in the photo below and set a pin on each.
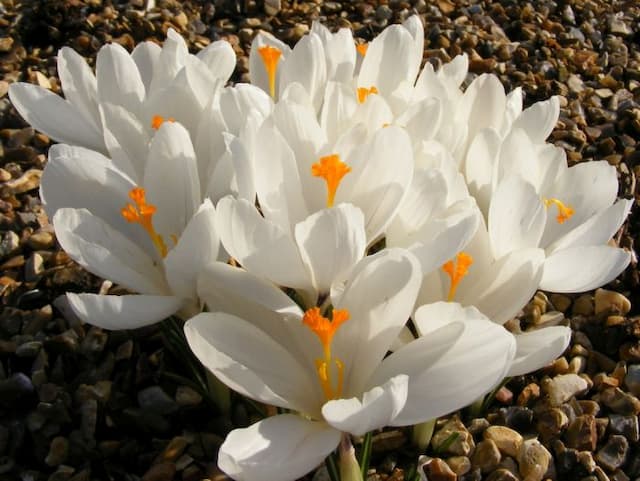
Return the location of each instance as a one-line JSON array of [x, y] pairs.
[[564, 211], [270, 57], [364, 92], [325, 330], [362, 48], [158, 120], [332, 170], [456, 270], [140, 212]]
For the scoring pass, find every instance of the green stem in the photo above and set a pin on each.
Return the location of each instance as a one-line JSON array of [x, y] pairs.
[[332, 469], [422, 433], [365, 456], [220, 392]]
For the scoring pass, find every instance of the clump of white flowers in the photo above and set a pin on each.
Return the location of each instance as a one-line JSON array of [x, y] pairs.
[[354, 194]]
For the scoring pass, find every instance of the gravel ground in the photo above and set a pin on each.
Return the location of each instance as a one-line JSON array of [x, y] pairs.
[[79, 403]]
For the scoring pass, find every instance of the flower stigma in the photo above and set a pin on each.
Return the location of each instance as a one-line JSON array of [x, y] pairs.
[[325, 329], [158, 120], [364, 92], [456, 270], [362, 48], [141, 212], [564, 211], [332, 170], [270, 57]]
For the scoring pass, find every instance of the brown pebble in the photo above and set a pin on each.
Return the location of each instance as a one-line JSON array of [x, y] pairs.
[[463, 443], [41, 240], [160, 472], [486, 456], [437, 469], [582, 434], [620, 402], [28, 181], [533, 460], [611, 302], [507, 440], [459, 464], [613, 454], [530, 393]]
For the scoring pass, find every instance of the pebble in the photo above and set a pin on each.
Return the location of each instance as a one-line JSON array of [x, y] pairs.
[[611, 302], [462, 445], [34, 267], [41, 240], [156, 400], [437, 469], [185, 396], [632, 379], [28, 181], [460, 465], [620, 402], [58, 451], [614, 453], [551, 422], [508, 441], [581, 433], [625, 425], [160, 472], [533, 460], [486, 456], [9, 244], [563, 387], [502, 474]]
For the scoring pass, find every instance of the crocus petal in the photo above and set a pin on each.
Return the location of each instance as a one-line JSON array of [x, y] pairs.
[[390, 59], [260, 246], [582, 268], [331, 241], [376, 185], [54, 116], [338, 108], [485, 101], [99, 248], [597, 230], [377, 409], [431, 317], [197, 247], [251, 362], [79, 84], [172, 58], [119, 80], [146, 55], [307, 66], [219, 58], [379, 296], [539, 119], [500, 290], [517, 217], [171, 179], [279, 448], [451, 352], [277, 180], [340, 50], [480, 164], [122, 312], [536, 349]]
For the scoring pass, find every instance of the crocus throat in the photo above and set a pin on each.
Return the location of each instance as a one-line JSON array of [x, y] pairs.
[[456, 270], [325, 329], [141, 212], [564, 211], [332, 170], [364, 92], [270, 57], [362, 48], [158, 120]]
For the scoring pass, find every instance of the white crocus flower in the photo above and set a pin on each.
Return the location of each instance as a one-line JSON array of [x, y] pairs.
[[572, 219], [534, 349], [117, 110], [152, 239], [438, 217], [334, 373], [498, 286]]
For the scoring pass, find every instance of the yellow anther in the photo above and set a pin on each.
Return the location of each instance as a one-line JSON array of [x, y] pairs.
[[270, 57], [362, 48], [141, 213], [325, 330], [456, 270], [158, 120], [332, 170], [364, 92], [564, 211]]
